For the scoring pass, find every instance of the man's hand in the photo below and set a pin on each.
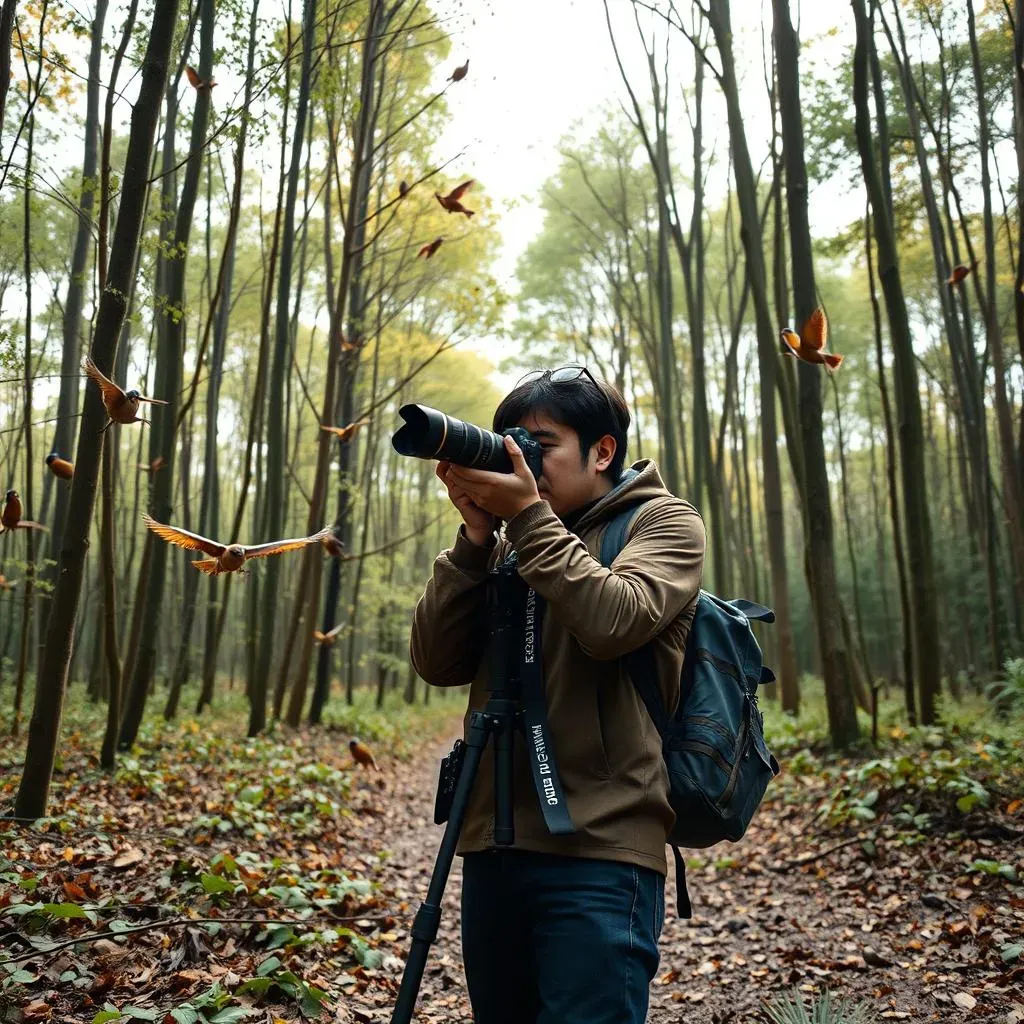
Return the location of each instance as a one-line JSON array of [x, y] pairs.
[[501, 494], [479, 523]]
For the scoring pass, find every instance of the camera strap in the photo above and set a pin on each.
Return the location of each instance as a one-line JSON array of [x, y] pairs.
[[540, 749]]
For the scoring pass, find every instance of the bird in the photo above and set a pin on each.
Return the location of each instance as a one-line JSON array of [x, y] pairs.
[[333, 545], [6, 584], [404, 188], [195, 81], [59, 467], [353, 344], [960, 271], [459, 73], [348, 432], [328, 638], [809, 344], [430, 248], [225, 557], [10, 517], [361, 754], [153, 467], [121, 406], [451, 201]]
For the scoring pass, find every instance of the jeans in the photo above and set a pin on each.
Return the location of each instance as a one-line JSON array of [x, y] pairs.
[[559, 940]]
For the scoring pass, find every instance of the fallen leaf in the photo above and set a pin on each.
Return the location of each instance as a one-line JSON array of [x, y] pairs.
[[964, 1000], [128, 857]]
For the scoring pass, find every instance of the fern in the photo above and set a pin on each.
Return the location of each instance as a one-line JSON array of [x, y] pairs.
[[822, 1011]]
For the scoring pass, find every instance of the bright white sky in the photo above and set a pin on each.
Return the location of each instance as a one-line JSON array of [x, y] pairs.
[[539, 66]]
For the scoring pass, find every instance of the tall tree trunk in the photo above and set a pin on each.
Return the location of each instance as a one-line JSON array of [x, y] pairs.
[[6, 32], [33, 790], [835, 657], [924, 615]]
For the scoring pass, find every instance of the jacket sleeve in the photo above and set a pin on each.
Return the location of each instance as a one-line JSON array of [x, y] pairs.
[[612, 611], [449, 627]]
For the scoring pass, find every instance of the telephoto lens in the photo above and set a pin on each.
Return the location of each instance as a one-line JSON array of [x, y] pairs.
[[430, 434]]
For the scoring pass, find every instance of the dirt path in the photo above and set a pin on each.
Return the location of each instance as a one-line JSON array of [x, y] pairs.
[[900, 931]]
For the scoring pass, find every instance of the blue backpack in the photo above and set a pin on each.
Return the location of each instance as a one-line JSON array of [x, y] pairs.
[[713, 744]]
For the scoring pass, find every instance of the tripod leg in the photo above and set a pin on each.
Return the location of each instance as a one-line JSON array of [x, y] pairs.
[[428, 917]]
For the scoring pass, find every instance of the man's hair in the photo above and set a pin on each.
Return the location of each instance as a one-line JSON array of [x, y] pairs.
[[576, 404]]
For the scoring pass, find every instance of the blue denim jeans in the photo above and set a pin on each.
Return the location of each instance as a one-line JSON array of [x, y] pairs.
[[559, 940]]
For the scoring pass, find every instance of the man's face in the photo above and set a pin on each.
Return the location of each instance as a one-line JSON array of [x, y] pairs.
[[566, 484]]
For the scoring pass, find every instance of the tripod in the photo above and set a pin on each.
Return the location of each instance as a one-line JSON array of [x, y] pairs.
[[507, 595]]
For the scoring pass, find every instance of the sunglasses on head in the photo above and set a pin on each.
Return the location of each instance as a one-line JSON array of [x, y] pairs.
[[565, 374]]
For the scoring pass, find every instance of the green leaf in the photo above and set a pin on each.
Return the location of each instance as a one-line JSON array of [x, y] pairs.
[[312, 1001], [1008, 871], [22, 977], [251, 795], [65, 910], [138, 1013], [280, 936], [257, 986], [870, 799], [966, 803], [1012, 951], [229, 1015], [104, 1015], [185, 1015], [117, 926], [214, 883], [270, 964]]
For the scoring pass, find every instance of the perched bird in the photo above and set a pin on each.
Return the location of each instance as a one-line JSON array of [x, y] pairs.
[[430, 248], [153, 467], [195, 81], [451, 201], [10, 517], [459, 73], [333, 545], [121, 406], [59, 467], [352, 344], [809, 344], [361, 754], [6, 584], [346, 433], [404, 188], [960, 271], [328, 638], [226, 557]]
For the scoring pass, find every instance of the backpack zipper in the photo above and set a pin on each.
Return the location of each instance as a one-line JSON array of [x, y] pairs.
[[741, 740]]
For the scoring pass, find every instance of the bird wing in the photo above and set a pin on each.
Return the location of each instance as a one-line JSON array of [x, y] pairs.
[[340, 431], [460, 190], [335, 630], [184, 538], [193, 76], [152, 401], [788, 339], [275, 547], [31, 524], [815, 331], [110, 391]]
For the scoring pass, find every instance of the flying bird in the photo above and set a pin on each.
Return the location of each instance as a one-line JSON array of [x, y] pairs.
[[6, 584], [334, 546], [361, 754], [404, 188], [195, 81], [451, 201], [10, 517], [328, 638], [346, 433], [60, 468], [226, 557], [121, 406], [960, 271], [809, 344], [459, 73], [430, 248], [153, 467]]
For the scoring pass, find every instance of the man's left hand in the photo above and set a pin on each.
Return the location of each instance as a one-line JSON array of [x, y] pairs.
[[501, 494]]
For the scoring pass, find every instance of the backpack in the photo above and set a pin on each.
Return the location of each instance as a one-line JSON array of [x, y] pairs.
[[713, 744]]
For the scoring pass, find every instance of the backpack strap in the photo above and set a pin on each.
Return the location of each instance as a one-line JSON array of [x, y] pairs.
[[752, 610], [683, 907]]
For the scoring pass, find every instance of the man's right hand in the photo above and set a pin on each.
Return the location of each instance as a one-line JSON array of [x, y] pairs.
[[479, 523]]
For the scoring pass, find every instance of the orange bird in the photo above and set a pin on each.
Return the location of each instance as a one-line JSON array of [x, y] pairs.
[[10, 517], [195, 81], [430, 248], [153, 467], [459, 73], [346, 433], [352, 345], [404, 188], [6, 584], [121, 406], [361, 754], [334, 546], [328, 638], [59, 467], [451, 201], [226, 557], [960, 271], [809, 344]]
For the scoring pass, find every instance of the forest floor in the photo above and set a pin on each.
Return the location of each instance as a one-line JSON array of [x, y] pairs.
[[214, 879]]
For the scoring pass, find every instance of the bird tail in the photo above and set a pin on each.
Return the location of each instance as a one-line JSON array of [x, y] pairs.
[[469, 213], [832, 361], [208, 565]]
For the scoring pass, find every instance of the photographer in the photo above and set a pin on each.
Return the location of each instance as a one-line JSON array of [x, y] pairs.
[[563, 929]]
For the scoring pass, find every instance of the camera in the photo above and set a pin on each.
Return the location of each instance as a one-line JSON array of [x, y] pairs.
[[430, 434]]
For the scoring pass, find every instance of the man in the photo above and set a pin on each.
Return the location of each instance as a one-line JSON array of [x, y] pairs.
[[563, 929]]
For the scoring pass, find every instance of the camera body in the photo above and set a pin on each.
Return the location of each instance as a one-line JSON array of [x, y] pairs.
[[431, 434]]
